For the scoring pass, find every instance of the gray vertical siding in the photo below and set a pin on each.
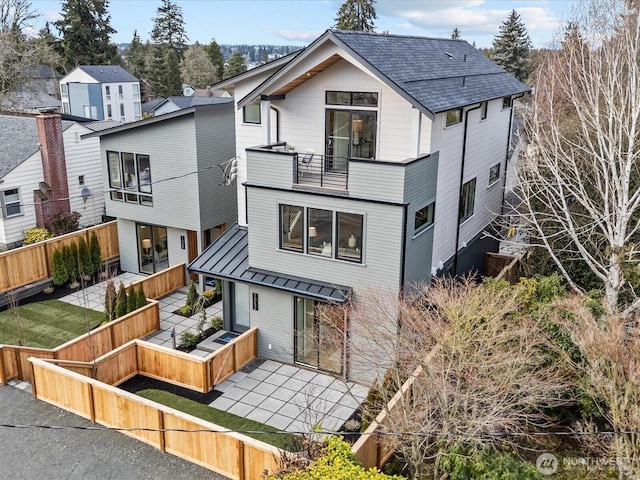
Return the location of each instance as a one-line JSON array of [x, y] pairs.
[[274, 321]]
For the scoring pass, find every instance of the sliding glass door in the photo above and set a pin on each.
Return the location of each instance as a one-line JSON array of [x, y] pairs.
[[318, 342], [349, 134], [153, 252]]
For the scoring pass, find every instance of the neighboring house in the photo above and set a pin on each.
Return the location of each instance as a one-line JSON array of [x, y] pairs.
[[36, 93], [46, 167], [101, 92], [164, 179], [399, 151], [172, 104]]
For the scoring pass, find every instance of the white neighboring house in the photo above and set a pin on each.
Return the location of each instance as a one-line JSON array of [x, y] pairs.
[[366, 163], [101, 92], [30, 157]]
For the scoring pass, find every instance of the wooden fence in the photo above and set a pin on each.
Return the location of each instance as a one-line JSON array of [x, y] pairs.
[[164, 282], [370, 449], [505, 267], [29, 264], [91, 345], [72, 388]]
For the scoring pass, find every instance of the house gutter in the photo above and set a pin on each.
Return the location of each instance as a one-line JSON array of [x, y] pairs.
[[464, 156]]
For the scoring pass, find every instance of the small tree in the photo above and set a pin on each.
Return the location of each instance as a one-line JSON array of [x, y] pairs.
[[235, 65], [110, 295], [71, 262], [132, 298], [95, 254], [60, 273], [192, 294], [121, 301], [455, 34], [141, 298], [85, 265]]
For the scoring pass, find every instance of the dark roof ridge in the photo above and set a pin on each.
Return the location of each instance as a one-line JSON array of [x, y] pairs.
[[382, 34]]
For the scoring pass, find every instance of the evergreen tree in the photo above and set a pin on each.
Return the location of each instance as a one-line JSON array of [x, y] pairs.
[[121, 301], [136, 55], [356, 15], [141, 298], [512, 46], [85, 31], [132, 298], [85, 265], [168, 27], [236, 65], [455, 34], [95, 253], [60, 274], [164, 71], [216, 57]]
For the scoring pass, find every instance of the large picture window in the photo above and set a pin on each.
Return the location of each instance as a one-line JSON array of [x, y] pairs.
[[130, 177], [330, 234], [467, 200]]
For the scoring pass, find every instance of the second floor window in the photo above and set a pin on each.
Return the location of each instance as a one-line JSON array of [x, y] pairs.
[[424, 218], [120, 95], [130, 177], [11, 203], [467, 200], [454, 116]]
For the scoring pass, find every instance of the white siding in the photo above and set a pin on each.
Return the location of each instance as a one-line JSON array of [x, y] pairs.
[[26, 177], [127, 100], [486, 146], [78, 76], [127, 240], [83, 158]]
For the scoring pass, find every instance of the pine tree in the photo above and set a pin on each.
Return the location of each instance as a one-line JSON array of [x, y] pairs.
[[85, 265], [141, 298], [455, 34], [85, 28], [236, 65], [356, 15], [60, 274], [196, 68], [512, 46], [136, 55], [95, 253], [164, 71], [168, 27], [216, 57]]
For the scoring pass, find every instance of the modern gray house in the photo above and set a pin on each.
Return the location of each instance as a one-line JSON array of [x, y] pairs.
[[367, 163], [163, 178]]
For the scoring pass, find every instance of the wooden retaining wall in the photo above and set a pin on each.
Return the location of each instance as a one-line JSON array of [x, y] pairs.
[[231, 454], [29, 264], [91, 345], [505, 267]]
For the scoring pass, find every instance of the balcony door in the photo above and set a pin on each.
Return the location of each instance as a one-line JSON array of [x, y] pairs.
[[349, 134]]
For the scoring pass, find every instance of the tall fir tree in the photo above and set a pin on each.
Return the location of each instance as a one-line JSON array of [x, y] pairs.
[[136, 55], [216, 57], [164, 71], [235, 65], [356, 15], [86, 29], [512, 46], [168, 27]]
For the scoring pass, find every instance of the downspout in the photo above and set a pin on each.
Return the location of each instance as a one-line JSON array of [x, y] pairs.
[[277, 123], [464, 155]]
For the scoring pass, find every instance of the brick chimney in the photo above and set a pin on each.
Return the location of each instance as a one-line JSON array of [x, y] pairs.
[[53, 196]]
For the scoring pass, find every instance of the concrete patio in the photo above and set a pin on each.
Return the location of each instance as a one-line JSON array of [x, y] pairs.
[[286, 397]]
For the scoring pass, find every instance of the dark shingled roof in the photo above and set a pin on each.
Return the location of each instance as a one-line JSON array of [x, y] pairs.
[[228, 258], [19, 140], [108, 73], [186, 102], [439, 74]]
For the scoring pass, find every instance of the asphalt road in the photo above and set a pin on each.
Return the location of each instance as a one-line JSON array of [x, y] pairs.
[[74, 454]]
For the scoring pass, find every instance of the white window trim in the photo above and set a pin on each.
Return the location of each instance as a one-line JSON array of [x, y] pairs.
[[499, 165], [3, 204]]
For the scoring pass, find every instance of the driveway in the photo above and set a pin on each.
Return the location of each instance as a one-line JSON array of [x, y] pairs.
[[76, 454]]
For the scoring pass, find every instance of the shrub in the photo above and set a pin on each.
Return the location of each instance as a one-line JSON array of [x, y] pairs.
[[216, 323], [464, 462], [141, 298], [121, 301], [110, 300], [36, 234], [84, 259], [62, 223], [192, 294], [95, 254], [337, 462], [60, 274], [188, 339], [208, 294], [185, 311], [71, 263], [132, 299]]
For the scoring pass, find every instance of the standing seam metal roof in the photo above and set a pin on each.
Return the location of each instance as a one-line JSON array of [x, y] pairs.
[[228, 258]]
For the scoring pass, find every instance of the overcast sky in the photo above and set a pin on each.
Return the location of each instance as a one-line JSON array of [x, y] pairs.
[[297, 22]]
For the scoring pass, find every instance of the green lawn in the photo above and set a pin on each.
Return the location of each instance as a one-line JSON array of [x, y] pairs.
[[286, 441], [46, 324]]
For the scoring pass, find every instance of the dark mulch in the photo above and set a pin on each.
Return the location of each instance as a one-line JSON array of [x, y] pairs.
[[140, 382]]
